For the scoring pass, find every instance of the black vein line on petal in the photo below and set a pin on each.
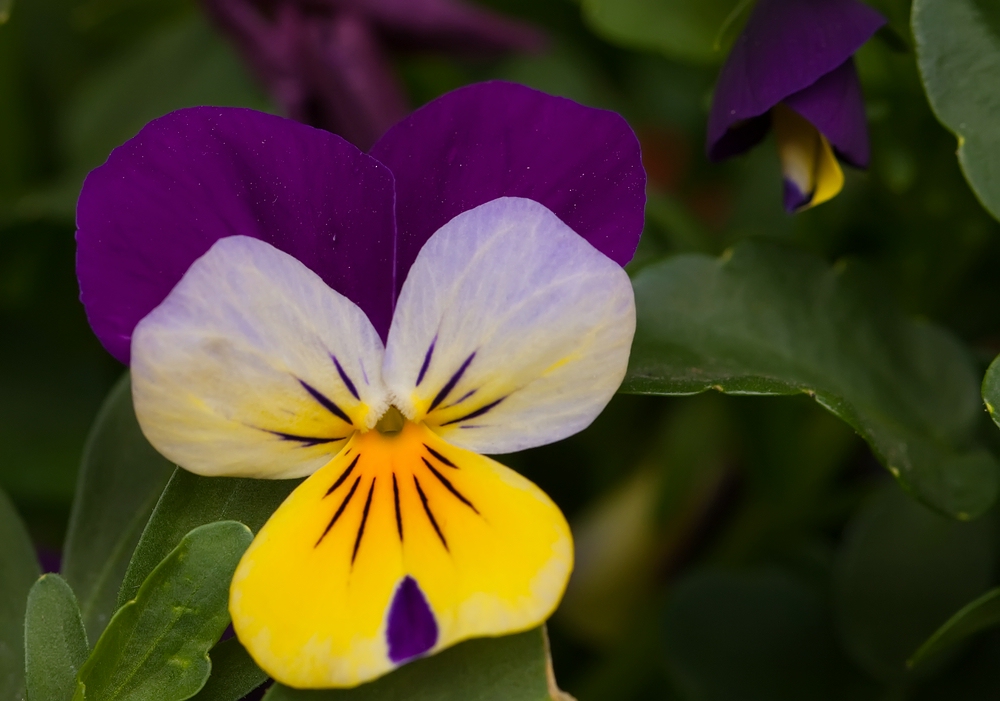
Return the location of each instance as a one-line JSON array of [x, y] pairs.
[[427, 362], [364, 520], [344, 475], [448, 485], [450, 385], [326, 402], [427, 509], [440, 457], [464, 397], [343, 505], [399, 514], [347, 380], [478, 412], [306, 441]]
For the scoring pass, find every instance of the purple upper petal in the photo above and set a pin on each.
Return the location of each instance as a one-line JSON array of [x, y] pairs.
[[499, 139], [201, 174], [834, 104], [786, 46]]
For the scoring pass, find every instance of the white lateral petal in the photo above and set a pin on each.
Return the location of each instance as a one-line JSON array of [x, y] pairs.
[[253, 367], [511, 331]]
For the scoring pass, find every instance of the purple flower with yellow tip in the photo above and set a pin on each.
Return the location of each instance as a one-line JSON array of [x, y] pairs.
[[291, 306], [792, 69]]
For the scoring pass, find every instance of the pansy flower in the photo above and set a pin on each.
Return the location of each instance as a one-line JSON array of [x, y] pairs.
[[294, 307], [792, 69]]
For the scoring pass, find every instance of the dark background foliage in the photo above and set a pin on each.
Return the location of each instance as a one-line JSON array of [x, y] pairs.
[[729, 547]]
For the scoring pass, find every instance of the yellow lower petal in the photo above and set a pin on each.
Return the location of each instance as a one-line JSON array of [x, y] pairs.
[[807, 160], [472, 544]]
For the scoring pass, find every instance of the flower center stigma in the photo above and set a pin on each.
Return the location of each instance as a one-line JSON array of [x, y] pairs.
[[391, 422]]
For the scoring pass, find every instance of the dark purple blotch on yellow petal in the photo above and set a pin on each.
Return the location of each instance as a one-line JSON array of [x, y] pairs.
[[412, 630]]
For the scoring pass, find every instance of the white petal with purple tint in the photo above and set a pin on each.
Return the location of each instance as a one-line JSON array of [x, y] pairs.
[[253, 367], [511, 331]]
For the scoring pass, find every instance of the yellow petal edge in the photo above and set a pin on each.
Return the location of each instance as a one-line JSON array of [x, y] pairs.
[[807, 160]]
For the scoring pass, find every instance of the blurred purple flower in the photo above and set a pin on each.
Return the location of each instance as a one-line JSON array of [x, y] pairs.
[[792, 68], [326, 62], [49, 559]]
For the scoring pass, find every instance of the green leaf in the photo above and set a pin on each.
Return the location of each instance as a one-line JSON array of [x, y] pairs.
[[755, 636], [958, 50], [682, 230], [792, 478], [681, 29], [121, 478], [5, 8], [511, 668], [234, 673], [55, 640], [979, 615], [58, 374], [182, 64], [902, 570], [764, 319], [972, 678], [991, 390], [18, 572], [156, 646], [190, 501]]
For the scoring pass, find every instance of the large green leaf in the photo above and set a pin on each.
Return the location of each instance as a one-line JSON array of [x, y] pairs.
[[56, 374], [755, 636], [511, 668], [190, 501], [121, 478], [991, 390], [234, 673], [902, 570], [18, 572], [979, 615], [958, 49], [973, 677], [156, 646], [764, 319], [681, 29], [54, 639], [182, 64]]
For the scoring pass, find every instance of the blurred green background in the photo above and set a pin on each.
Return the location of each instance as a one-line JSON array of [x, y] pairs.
[[728, 548]]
